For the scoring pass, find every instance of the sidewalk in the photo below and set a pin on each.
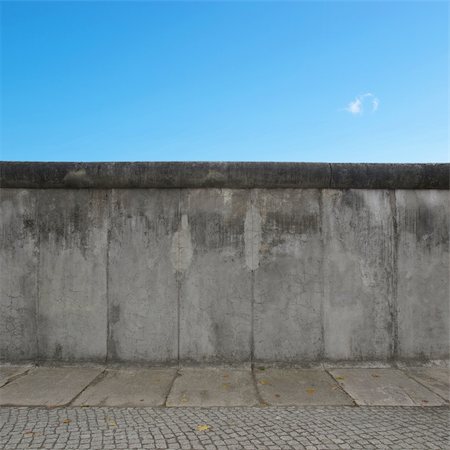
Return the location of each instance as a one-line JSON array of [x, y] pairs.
[[222, 386], [224, 407]]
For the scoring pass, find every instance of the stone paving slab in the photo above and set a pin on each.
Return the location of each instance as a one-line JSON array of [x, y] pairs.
[[270, 428], [213, 387], [225, 386], [129, 387], [48, 386], [284, 387], [437, 379], [8, 373], [384, 387]]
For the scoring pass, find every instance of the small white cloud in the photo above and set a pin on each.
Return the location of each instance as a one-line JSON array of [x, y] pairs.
[[357, 106], [375, 103]]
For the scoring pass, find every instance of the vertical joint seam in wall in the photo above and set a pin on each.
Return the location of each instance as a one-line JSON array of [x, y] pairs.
[[252, 280], [110, 195], [177, 271], [38, 277], [322, 302], [178, 277], [394, 276], [331, 175]]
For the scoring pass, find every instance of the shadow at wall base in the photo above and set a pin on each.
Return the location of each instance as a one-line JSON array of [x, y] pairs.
[[256, 365]]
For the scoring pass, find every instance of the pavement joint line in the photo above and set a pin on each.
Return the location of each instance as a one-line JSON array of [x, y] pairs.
[[341, 387], [93, 382], [403, 372], [261, 401], [169, 390], [411, 377], [16, 376]]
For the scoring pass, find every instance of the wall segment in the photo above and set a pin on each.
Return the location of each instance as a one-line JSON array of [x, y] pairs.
[[161, 263]]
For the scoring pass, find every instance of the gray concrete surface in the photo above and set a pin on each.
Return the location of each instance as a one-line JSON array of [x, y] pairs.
[[423, 305], [19, 260], [197, 270], [142, 285], [213, 387], [285, 387], [215, 280], [48, 386], [9, 373], [216, 386], [288, 279], [358, 239], [384, 387], [128, 387], [72, 310], [437, 379]]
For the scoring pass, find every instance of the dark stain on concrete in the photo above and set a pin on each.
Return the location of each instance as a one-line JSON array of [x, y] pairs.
[[211, 230], [428, 225], [292, 222], [57, 355], [115, 314]]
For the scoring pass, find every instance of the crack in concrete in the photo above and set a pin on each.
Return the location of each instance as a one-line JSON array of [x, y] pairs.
[[394, 277], [169, 390], [93, 382], [16, 376]]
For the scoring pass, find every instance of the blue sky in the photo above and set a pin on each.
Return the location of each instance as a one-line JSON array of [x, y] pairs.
[[225, 81]]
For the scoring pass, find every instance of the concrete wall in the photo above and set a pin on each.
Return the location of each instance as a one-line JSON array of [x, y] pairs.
[[224, 274]]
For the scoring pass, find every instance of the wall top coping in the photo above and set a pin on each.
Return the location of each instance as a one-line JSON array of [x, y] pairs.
[[239, 175]]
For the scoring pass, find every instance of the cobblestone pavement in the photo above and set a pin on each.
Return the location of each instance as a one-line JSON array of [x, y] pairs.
[[226, 428]]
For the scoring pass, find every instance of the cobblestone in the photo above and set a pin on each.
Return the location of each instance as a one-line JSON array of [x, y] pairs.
[[240, 428]]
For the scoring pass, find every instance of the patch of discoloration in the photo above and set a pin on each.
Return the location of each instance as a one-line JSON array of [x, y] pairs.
[[129, 387], [72, 313], [19, 262], [215, 293], [215, 176], [48, 386], [384, 387], [10, 373], [423, 266], [227, 197], [289, 386], [252, 237], [78, 178], [182, 251], [57, 355], [212, 386], [115, 314], [358, 236], [424, 216], [288, 284], [437, 379], [142, 285]]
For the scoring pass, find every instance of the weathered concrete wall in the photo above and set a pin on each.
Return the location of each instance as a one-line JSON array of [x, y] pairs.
[[423, 273], [142, 283], [19, 270], [293, 272], [359, 273]]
